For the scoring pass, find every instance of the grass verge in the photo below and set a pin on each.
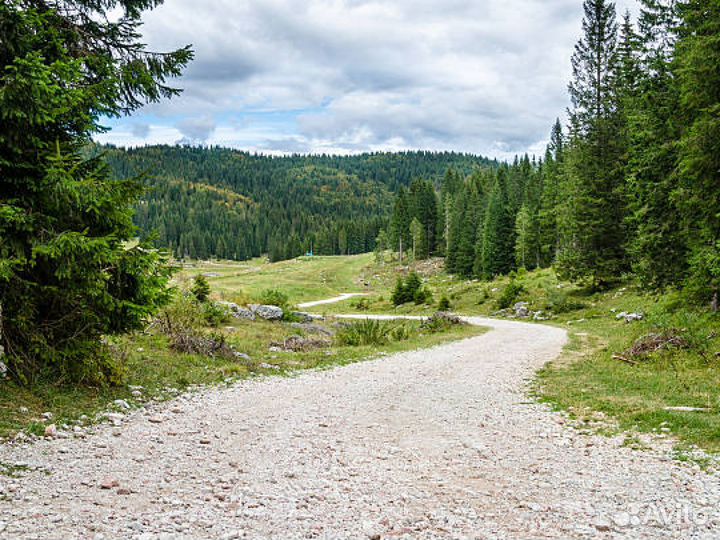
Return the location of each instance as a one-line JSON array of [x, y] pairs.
[[149, 363]]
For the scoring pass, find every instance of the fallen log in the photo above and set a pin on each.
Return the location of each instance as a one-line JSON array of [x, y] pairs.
[[687, 409]]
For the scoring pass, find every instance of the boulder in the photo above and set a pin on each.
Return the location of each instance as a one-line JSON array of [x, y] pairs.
[[447, 316], [269, 366], [303, 317], [311, 328], [522, 310], [243, 356], [269, 313], [243, 313], [301, 344], [630, 317], [237, 311]]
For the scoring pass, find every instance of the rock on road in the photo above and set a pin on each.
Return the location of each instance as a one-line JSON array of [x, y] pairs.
[[441, 443]]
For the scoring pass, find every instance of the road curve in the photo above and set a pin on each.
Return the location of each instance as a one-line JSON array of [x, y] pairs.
[[335, 300], [439, 443]]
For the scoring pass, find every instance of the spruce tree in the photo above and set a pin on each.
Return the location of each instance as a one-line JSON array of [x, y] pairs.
[[417, 233], [456, 219], [201, 288], [526, 251], [593, 211], [400, 223], [698, 58], [451, 186], [496, 254], [467, 223], [423, 206], [70, 271], [548, 240], [658, 245]]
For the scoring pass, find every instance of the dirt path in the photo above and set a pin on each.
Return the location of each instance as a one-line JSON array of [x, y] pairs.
[[441, 443], [337, 299]]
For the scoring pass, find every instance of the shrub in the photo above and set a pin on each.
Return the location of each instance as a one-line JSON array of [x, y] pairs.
[[484, 295], [401, 332], [423, 296], [440, 322], [361, 305], [560, 302], [373, 332], [201, 288], [274, 297], [444, 304], [183, 312], [413, 283], [190, 341], [183, 321], [214, 314], [407, 290], [692, 327], [510, 294], [364, 332], [399, 296]]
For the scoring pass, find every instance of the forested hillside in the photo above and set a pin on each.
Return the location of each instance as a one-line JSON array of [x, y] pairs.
[[631, 185], [205, 202]]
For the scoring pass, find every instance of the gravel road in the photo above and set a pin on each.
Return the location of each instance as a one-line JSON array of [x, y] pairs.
[[337, 299], [441, 443]]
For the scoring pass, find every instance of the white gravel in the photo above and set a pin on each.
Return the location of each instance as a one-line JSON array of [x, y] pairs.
[[441, 443]]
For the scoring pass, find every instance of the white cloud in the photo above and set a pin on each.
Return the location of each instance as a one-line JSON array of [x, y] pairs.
[[350, 75]]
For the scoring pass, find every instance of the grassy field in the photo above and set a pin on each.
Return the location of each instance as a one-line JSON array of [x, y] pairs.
[[592, 375], [149, 362], [303, 279]]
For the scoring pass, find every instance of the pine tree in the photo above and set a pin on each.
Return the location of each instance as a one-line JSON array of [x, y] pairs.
[[69, 269]]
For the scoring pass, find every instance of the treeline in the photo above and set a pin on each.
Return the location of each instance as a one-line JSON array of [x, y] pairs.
[[217, 202], [633, 185], [485, 224]]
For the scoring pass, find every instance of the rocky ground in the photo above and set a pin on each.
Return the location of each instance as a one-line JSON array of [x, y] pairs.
[[440, 443]]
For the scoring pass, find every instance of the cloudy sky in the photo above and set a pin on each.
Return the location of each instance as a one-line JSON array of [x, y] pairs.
[[345, 76]]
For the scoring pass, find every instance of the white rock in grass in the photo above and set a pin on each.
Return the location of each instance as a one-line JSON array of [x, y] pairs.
[[269, 313]]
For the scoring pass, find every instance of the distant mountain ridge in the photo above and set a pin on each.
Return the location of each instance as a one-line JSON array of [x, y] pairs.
[[219, 202]]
